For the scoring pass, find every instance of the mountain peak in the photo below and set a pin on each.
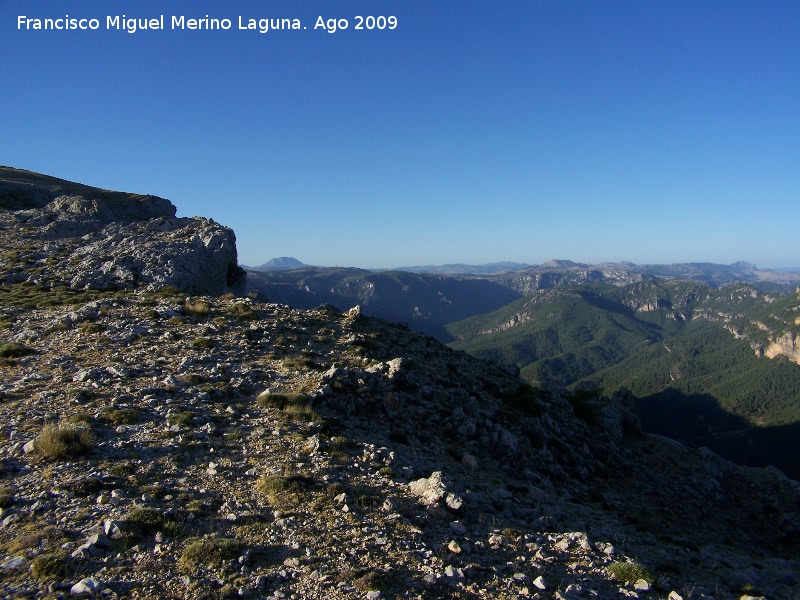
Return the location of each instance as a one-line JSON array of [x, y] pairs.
[[561, 264], [281, 263]]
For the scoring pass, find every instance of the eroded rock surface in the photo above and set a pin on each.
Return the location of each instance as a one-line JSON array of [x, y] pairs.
[[96, 239]]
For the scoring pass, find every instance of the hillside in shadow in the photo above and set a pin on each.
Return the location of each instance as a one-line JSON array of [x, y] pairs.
[[699, 420]]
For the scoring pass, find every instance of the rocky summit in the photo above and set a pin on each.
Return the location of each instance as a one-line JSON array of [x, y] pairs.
[[160, 443], [59, 233]]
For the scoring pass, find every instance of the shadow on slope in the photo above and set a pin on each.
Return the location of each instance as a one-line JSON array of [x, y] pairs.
[[699, 420]]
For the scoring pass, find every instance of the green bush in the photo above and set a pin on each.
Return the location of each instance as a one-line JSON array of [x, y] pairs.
[[184, 419], [14, 350], [283, 492], [123, 416], [197, 307], [145, 520], [281, 399], [242, 311], [211, 551], [588, 405], [629, 572], [51, 566], [202, 342]]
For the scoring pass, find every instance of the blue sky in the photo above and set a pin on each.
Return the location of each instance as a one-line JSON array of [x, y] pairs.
[[474, 132]]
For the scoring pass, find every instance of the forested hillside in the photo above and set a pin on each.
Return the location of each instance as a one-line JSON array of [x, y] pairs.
[[696, 357]]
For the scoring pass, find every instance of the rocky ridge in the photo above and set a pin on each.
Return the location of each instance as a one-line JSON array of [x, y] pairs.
[[86, 238]]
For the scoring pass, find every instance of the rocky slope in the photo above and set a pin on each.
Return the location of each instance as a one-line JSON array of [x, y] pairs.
[[81, 237], [242, 448]]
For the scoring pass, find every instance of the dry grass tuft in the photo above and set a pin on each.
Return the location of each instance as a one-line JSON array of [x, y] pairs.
[[59, 441], [197, 307], [210, 551]]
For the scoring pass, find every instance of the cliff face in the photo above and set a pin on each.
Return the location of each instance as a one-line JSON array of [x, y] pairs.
[[88, 238], [787, 345]]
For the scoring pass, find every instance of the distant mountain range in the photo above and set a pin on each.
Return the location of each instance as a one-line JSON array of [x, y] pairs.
[[462, 269], [567, 270], [427, 299]]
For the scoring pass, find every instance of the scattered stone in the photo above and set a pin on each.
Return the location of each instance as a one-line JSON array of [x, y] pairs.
[[12, 564], [428, 490], [458, 528], [87, 586], [453, 572]]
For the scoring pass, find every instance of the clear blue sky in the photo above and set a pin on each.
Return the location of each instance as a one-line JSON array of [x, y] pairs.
[[474, 132]]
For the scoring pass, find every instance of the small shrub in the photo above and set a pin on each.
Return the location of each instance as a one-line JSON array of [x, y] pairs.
[[156, 490], [167, 291], [143, 520], [294, 405], [301, 412], [242, 311], [281, 399], [57, 441], [51, 566], [300, 363], [283, 492], [524, 398], [210, 551], [334, 489], [202, 342], [588, 405], [82, 395], [629, 572], [6, 497], [184, 419], [15, 350], [123, 416], [122, 470], [338, 446], [79, 419], [195, 506], [89, 328], [511, 533], [197, 307]]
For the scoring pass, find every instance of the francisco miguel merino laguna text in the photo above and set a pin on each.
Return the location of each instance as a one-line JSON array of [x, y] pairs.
[[132, 25]]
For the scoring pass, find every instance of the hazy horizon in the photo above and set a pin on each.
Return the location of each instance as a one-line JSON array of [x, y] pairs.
[[258, 263]]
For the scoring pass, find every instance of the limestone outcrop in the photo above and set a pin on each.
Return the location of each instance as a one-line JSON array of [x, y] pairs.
[[96, 239]]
